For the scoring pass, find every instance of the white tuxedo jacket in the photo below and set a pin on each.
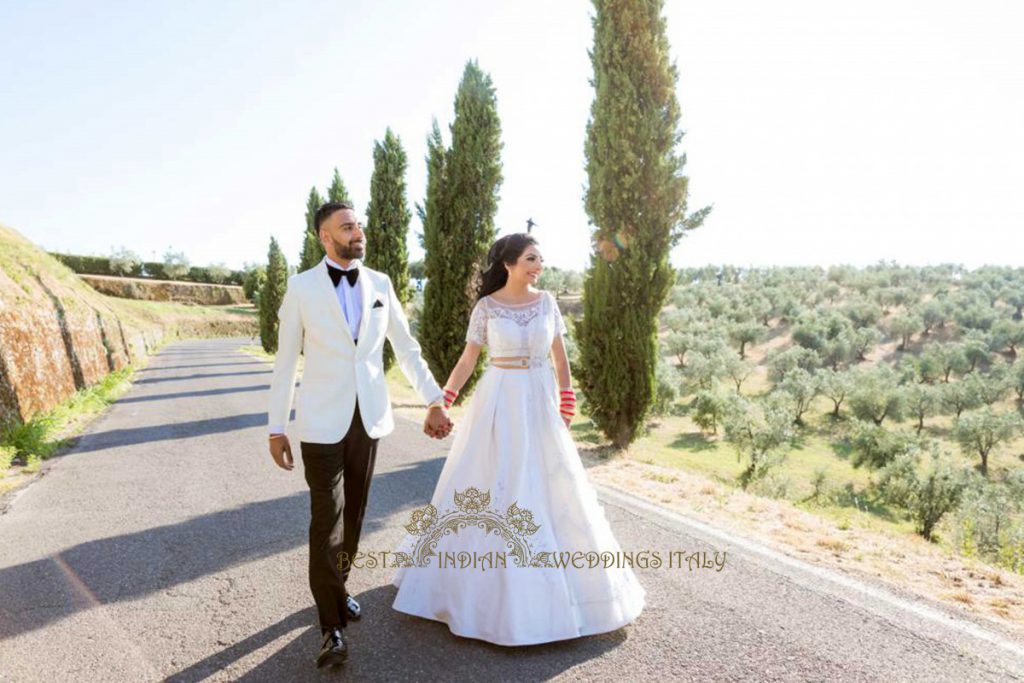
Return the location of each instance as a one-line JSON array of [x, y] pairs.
[[337, 370]]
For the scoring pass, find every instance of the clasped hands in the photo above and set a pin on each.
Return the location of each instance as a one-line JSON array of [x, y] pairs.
[[438, 424]]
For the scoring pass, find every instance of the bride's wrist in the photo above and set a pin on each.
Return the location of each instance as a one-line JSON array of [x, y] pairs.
[[449, 396], [567, 403]]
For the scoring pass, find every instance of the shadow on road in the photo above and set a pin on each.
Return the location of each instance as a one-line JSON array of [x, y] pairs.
[[174, 430], [157, 368], [387, 645], [135, 565], [207, 667], [179, 378], [190, 394]]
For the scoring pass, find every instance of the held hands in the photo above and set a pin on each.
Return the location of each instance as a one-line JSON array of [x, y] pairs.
[[281, 451], [438, 424]]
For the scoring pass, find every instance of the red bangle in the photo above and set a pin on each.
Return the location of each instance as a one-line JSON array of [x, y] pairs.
[[449, 397], [567, 406]]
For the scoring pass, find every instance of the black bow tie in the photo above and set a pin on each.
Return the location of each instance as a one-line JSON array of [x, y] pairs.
[[351, 274]]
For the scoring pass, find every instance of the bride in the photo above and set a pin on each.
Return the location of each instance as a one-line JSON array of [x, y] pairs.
[[505, 550]]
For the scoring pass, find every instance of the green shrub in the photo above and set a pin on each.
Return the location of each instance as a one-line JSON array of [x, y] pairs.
[[877, 446], [667, 381], [989, 523], [927, 496], [125, 263], [7, 454], [87, 265], [31, 438]]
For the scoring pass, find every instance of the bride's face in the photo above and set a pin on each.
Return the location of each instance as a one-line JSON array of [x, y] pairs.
[[527, 268]]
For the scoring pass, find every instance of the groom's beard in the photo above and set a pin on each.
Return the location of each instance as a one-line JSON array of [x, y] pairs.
[[349, 251]]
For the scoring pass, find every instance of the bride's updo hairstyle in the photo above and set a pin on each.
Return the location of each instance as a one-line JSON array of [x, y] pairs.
[[507, 249]]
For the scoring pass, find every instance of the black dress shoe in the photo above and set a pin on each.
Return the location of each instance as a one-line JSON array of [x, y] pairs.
[[352, 607], [334, 651]]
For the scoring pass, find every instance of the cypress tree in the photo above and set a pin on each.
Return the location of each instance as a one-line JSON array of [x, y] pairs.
[[636, 201], [312, 250], [467, 199], [272, 295], [388, 221], [436, 242], [336, 192]]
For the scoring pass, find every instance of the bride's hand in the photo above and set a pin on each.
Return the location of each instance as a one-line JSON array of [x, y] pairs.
[[567, 421]]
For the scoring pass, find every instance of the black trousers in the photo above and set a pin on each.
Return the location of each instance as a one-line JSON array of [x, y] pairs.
[[338, 475]]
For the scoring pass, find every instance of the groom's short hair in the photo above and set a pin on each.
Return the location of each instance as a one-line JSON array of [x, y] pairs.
[[327, 209]]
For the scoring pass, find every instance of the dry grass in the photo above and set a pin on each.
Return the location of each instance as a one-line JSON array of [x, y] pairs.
[[855, 544]]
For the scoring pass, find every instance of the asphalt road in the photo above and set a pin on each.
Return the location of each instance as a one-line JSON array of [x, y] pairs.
[[166, 546]]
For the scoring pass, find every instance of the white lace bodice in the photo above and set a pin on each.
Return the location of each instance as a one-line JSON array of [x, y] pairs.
[[525, 329]]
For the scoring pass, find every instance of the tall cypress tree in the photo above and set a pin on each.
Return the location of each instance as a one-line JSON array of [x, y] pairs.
[[388, 221], [272, 295], [636, 201], [312, 250], [436, 242], [337, 192], [467, 199]]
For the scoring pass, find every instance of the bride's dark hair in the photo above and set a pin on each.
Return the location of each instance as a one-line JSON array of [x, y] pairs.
[[507, 249]]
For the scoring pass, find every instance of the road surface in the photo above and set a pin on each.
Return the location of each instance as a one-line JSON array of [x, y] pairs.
[[166, 546]]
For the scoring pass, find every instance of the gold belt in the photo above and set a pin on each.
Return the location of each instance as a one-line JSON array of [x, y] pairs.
[[512, 362]]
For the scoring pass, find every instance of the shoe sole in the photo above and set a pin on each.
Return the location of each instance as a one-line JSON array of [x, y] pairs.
[[331, 659]]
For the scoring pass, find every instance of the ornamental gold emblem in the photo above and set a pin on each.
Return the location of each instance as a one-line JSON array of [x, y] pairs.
[[472, 509]]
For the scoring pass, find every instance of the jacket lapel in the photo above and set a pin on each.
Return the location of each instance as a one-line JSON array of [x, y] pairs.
[[331, 296], [365, 291]]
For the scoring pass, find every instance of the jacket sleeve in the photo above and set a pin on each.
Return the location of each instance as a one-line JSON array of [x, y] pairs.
[[286, 361], [408, 351]]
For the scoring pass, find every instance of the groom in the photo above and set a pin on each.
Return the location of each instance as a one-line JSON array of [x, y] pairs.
[[337, 315]]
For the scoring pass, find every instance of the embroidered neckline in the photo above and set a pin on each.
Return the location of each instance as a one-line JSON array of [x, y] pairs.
[[525, 303]]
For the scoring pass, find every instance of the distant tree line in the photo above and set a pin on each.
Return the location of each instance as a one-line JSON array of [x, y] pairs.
[[124, 263]]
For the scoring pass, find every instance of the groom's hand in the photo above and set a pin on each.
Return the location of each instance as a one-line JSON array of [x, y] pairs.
[[281, 451]]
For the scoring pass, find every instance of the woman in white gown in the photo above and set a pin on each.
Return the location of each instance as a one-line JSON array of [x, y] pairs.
[[513, 487]]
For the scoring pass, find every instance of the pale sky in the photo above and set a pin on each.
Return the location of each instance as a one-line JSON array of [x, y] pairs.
[[823, 132]]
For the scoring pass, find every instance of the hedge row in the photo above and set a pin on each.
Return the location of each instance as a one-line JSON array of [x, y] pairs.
[[100, 265]]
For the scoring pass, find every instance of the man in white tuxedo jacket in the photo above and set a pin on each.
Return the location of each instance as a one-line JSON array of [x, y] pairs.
[[338, 314]]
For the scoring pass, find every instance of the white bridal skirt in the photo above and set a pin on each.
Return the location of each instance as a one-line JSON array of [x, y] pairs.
[[513, 490]]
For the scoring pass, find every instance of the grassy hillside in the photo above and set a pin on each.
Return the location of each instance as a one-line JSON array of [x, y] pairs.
[[64, 346]]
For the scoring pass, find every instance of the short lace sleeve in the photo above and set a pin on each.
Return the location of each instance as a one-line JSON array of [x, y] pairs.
[[477, 332], [559, 322]]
